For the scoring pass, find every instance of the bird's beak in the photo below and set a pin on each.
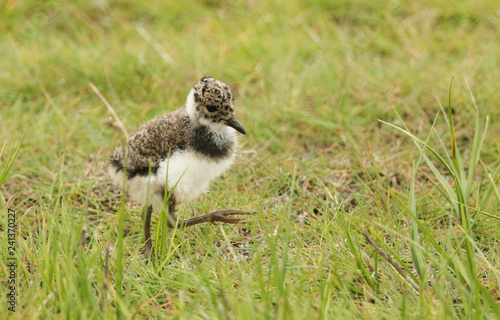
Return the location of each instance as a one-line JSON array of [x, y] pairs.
[[232, 122]]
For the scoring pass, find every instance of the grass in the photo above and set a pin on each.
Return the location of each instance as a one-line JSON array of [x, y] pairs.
[[338, 191]]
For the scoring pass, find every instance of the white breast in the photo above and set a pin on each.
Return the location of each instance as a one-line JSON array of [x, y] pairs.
[[191, 172]]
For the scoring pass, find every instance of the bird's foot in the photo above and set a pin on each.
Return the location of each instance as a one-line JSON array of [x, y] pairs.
[[224, 216]]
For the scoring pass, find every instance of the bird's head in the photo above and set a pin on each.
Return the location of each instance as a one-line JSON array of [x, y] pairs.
[[210, 103]]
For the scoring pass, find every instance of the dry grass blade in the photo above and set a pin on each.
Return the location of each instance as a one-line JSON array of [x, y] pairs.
[[393, 263], [110, 108]]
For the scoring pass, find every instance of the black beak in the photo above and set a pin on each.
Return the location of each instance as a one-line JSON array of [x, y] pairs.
[[233, 123]]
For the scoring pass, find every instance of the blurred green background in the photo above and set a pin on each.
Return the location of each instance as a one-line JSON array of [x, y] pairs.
[[311, 80]]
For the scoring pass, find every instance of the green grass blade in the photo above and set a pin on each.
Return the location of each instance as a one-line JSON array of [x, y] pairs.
[[356, 252], [14, 152], [416, 252]]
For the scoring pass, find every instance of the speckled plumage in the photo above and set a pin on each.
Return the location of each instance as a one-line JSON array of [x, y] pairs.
[[155, 140]]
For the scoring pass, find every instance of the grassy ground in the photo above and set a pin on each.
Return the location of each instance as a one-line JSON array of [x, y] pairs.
[[311, 80]]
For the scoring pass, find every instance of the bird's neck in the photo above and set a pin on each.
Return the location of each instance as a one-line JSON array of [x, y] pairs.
[[215, 144], [219, 128]]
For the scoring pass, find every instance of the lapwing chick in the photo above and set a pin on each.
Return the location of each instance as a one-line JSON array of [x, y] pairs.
[[179, 153]]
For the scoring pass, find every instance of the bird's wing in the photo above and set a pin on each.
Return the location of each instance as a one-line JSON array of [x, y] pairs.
[[154, 141]]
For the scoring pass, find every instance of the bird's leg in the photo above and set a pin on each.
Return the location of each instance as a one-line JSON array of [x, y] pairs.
[[216, 216], [147, 232]]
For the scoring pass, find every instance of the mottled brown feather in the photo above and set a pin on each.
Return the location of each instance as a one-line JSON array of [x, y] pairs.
[[154, 140]]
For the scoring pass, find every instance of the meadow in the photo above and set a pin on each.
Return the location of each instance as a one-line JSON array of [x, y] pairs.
[[372, 157]]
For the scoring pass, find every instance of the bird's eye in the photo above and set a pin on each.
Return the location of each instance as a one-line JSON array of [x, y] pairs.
[[211, 108]]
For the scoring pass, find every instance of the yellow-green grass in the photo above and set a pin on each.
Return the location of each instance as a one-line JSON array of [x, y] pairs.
[[312, 79]]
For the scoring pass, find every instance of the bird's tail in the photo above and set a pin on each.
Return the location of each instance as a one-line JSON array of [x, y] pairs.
[[117, 158]]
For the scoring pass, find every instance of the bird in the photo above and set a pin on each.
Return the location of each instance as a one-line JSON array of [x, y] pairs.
[[174, 157]]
